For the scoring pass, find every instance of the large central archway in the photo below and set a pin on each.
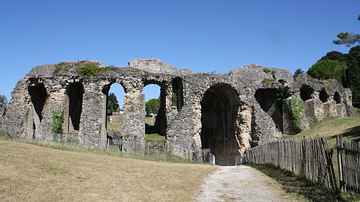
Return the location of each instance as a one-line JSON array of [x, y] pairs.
[[220, 106]]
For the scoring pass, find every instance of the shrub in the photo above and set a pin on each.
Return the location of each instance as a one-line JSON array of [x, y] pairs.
[[267, 70], [328, 69], [88, 70], [58, 118]]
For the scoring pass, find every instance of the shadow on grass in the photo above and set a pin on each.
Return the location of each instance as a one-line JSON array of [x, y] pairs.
[[296, 184], [350, 134]]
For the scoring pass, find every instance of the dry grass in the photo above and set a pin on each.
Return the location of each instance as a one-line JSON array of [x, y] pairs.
[[149, 121], [116, 127], [34, 173]]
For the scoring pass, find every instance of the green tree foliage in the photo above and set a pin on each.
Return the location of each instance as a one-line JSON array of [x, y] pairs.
[[110, 107], [298, 72], [113, 99], [174, 99], [58, 118], [328, 69], [152, 106], [347, 38], [333, 55], [352, 74], [3, 99]]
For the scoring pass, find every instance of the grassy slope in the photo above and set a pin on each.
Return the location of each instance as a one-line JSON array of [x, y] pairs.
[[348, 127], [34, 173]]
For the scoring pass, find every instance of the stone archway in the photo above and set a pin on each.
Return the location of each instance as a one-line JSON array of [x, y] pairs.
[[73, 106], [220, 121], [34, 116]]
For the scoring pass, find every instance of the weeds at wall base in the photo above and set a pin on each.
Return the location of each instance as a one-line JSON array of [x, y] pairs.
[[71, 145]]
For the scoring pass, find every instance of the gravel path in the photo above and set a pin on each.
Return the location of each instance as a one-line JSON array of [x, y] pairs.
[[241, 183]]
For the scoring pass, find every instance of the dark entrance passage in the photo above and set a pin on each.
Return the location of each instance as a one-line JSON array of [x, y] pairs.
[[38, 96], [75, 94], [220, 107]]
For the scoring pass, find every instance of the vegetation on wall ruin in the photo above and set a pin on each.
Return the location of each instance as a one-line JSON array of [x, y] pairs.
[[294, 111]]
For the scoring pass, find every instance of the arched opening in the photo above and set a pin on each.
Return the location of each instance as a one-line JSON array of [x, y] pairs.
[[324, 96], [38, 96], [306, 92], [155, 108], [177, 96], [220, 106], [114, 113], [75, 93], [337, 98], [267, 100]]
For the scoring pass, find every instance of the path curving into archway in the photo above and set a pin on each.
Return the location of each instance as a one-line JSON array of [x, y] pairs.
[[241, 183]]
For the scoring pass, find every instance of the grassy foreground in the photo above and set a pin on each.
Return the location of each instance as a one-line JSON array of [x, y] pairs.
[[34, 173]]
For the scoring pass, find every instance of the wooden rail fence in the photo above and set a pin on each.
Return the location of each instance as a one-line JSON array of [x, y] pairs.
[[308, 157], [349, 165]]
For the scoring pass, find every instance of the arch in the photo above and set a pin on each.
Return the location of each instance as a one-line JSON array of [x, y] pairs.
[[178, 92], [306, 92], [324, 96], [267, 100], [115, 118], [220, 106], [75, 93], [160, 123], [38, 96], [337, 98]]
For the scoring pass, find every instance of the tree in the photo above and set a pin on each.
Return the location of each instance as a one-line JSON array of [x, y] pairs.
[[347, 38], [152, 106], [333, 55], [110, 107], [353, 72], [298, 72], [113, 99], [3, 99], [328, 69]]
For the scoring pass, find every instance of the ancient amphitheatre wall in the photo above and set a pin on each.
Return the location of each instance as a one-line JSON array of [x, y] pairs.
[[241, 105]]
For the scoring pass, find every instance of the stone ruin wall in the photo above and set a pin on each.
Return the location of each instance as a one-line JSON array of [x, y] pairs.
[[238, 97]]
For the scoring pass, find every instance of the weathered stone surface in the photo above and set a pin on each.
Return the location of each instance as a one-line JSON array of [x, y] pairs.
[[154, 65], [226, 113], [2, 111], [255, 73]]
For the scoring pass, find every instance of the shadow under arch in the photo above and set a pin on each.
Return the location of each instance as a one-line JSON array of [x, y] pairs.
[[220, 106], [74, 94]]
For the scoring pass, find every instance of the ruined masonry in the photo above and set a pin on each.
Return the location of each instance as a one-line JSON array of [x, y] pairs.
[[225, 113]]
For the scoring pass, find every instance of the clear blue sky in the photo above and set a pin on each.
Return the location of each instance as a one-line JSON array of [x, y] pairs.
[[201, 35]]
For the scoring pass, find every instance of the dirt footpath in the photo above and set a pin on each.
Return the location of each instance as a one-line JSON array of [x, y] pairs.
[[241, 183]]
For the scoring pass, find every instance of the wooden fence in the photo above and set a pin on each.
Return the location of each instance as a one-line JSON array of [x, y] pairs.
[[308, 157], [349, 165]]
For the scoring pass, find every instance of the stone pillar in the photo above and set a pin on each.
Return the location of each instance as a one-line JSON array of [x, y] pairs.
[[92, 121], [243, 127], [168, 100], [103, 135], [134, 123]]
